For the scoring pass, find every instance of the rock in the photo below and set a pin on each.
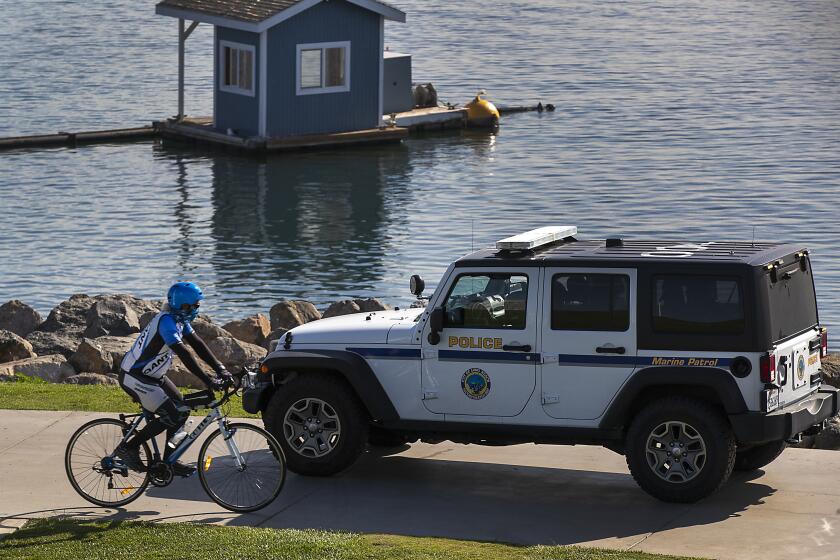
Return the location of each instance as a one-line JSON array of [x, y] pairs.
[[371, 304], [91, 379], [102, 354], [235, 354], [418, 304], [46, 343], [13, 347], [343, 307], [70, 316], [290, 314], [181, 376], [358, 305], [208, 331], [252, 330], [53, 368], [831, 370], [272, 336], [829, 438], [19, 318], [111, 315], [146, 318]]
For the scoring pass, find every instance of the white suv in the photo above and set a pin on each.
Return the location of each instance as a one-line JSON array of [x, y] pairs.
[[691, 359]]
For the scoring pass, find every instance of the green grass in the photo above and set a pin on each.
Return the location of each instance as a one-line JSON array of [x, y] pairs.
[[27, 393], [63, 538]]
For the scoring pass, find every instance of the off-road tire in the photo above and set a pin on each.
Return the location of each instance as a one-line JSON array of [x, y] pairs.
[[758, 456], [712, 426], [351, 413]]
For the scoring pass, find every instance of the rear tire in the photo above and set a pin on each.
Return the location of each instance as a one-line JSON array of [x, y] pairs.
[[758, 456], [680, 449], [83, 459], [320, 424]]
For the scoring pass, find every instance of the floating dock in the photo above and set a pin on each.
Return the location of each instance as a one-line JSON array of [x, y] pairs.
[[201, 130], [77, 138]]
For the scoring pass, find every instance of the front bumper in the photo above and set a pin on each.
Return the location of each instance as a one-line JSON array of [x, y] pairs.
[[784, 423]]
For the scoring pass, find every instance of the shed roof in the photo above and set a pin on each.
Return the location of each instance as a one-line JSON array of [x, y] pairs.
[[256, 15]]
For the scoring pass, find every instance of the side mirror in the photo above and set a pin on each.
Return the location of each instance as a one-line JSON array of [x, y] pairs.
[[435, 325], [417, 285]]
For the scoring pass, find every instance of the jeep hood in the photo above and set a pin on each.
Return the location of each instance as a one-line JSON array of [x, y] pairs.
[[357, 328]]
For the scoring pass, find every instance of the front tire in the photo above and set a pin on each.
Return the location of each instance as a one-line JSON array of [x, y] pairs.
[[754, 458], [680, 449], [320, 424]]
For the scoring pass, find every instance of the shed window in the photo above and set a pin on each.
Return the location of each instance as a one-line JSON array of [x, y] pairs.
[[236, 68], [323, 68]]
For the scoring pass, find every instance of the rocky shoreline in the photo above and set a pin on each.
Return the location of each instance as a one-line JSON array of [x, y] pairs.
[[84, 338]]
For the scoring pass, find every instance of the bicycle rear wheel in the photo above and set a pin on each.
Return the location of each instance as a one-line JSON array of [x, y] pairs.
[[245, 472], [89, 464]]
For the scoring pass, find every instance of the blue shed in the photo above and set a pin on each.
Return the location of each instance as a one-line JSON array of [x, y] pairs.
[[291, 67]]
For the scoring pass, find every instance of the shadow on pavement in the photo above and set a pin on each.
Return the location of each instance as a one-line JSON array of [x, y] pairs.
[[491, 502], [457, 499]]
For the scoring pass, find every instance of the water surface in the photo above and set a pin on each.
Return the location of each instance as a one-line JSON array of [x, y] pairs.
[[696, 121]]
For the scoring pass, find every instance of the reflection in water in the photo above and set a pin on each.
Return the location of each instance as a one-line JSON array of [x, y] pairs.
[[299, 225]]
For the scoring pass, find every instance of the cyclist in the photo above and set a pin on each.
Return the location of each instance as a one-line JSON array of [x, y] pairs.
[[143, 372]]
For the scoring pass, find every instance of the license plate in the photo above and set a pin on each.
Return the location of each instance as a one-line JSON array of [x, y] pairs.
[[770, 400]]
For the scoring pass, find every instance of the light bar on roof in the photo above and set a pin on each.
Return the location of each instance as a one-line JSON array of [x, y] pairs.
[[536, 238]]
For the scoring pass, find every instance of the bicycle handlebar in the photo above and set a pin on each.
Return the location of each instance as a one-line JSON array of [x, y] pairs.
[[230, 388]]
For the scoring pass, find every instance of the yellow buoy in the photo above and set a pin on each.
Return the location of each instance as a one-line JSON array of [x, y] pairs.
[[481, 112]]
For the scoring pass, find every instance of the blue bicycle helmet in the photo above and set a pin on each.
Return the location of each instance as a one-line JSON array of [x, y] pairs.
[[184, 294]]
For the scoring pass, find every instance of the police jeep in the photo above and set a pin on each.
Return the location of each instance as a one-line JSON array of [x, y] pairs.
[[691, 359]]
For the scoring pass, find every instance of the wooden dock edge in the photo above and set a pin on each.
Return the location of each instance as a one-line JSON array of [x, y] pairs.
[[76, 138]]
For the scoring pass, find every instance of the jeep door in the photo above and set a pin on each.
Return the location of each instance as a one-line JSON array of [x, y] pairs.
[[588, 339], [485, 363]]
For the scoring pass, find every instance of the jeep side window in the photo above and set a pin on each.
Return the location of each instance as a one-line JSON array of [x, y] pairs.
[[487, 301], [590, 302], [697, 305]]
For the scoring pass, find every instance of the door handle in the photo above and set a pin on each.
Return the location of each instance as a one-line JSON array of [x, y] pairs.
[[610, 349], [517, 347]]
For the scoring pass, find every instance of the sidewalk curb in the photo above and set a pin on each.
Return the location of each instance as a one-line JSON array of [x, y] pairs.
[[9, 525]]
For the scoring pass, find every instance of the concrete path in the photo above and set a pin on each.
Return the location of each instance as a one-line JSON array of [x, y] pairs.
[[530, 494]]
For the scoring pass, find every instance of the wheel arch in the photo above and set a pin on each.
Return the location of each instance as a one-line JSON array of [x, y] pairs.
[[713, 385], [349, 366]]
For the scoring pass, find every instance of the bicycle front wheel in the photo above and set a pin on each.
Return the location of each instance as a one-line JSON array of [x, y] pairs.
[[244, 472], [90, 467]]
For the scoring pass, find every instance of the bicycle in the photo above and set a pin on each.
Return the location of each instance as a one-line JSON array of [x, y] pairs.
[[248, 465]]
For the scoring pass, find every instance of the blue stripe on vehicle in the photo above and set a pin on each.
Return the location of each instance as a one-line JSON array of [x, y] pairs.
[[672, 361], [386, 352], [472, 355]]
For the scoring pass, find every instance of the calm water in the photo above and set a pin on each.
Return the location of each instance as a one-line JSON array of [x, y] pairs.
[[697, 121]]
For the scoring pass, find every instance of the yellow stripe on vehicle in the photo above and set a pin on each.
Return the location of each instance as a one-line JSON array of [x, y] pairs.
[[128, 490], [207, 462]]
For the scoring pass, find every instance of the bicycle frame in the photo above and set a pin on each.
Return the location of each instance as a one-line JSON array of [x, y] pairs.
[[213, 415]]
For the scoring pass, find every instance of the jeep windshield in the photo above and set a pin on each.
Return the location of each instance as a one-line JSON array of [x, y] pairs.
[[792, 303]]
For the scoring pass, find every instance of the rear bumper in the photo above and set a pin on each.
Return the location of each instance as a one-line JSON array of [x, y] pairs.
[[757, 427]]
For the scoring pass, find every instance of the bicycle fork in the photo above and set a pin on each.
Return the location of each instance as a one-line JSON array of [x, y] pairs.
[[227, 435]]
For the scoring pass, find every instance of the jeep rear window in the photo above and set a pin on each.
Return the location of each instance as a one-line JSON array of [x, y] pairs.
[[590, 302], [697, 305], [792, 305]]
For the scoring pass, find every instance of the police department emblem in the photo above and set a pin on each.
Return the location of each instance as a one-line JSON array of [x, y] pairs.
[[476, 383], [800, 367]]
